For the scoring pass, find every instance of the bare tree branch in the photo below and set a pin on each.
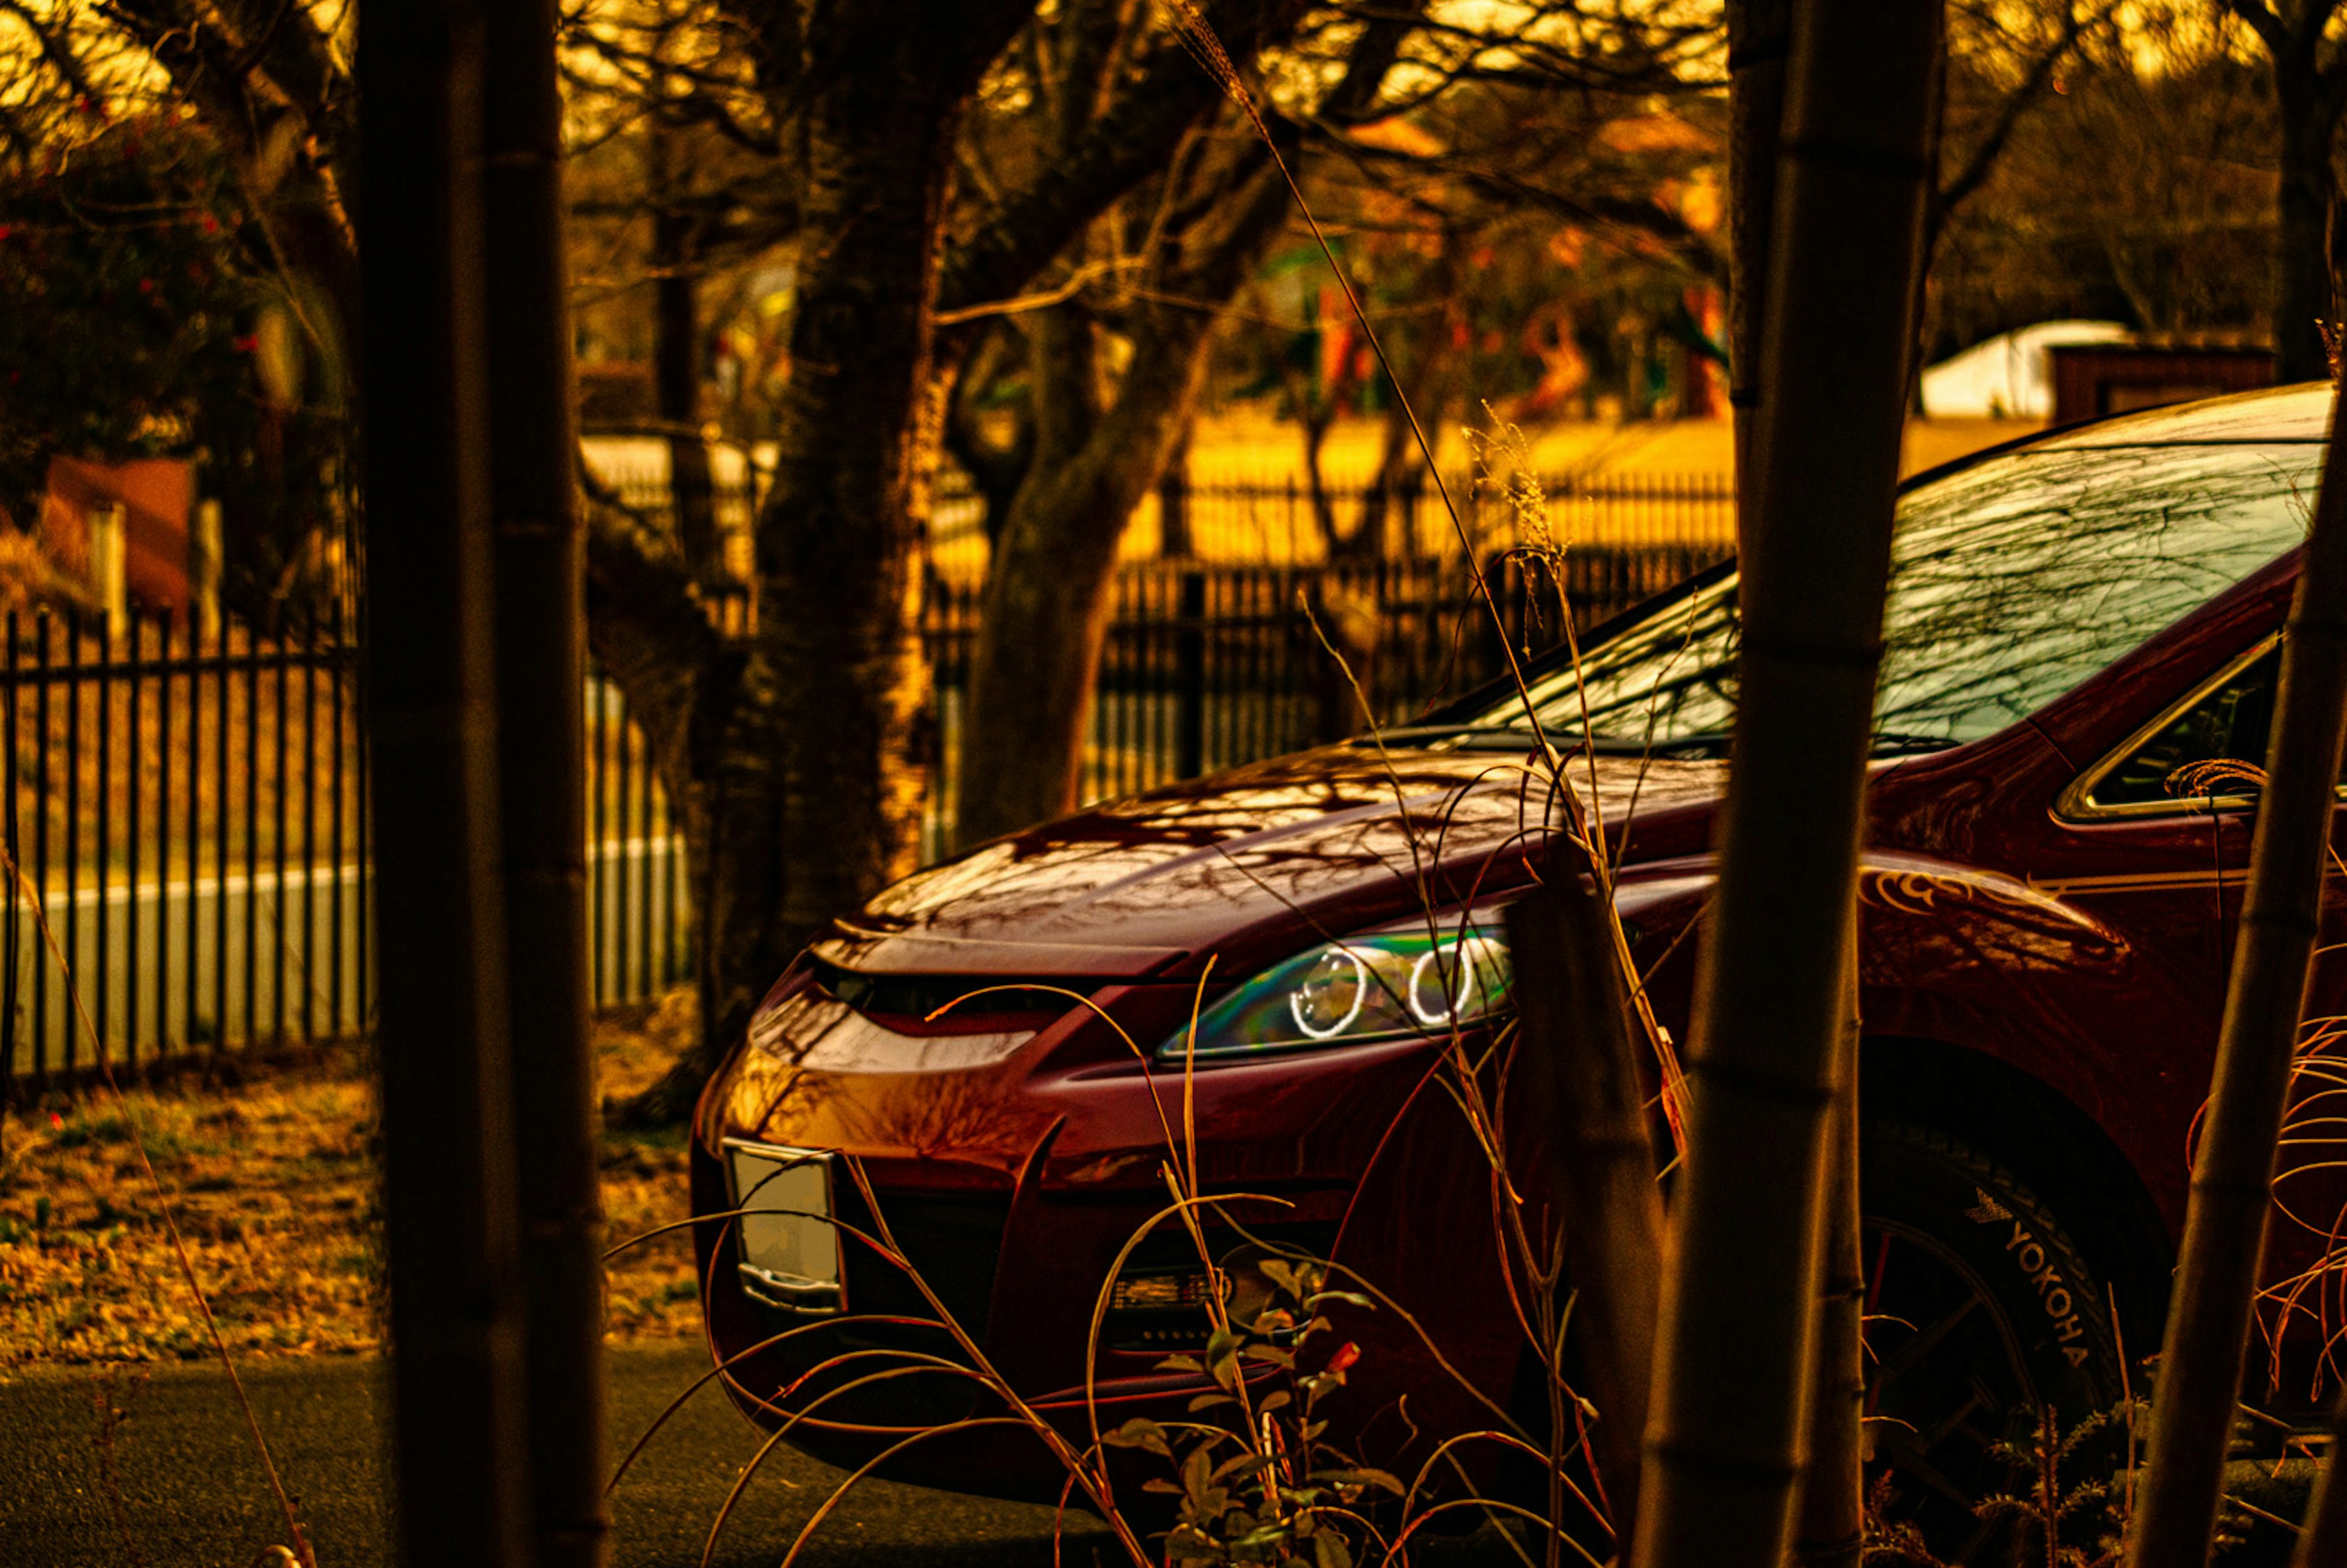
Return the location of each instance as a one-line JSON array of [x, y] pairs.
[[2018, 103]]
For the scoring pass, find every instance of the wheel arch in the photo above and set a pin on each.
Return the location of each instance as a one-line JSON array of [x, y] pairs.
[[2041, 1136]]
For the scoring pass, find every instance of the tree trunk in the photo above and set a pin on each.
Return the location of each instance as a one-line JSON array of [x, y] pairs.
[[1048, 591], [1728, 1441], [1173, 540], [540, 612], [791, 821], [2302, 272], [1401, 471], [1760, 37], [1313, 423], [1582, 1070], [676, 366], [1832, 1528], [460, 1452], [2224, 1229], [1048, 594]]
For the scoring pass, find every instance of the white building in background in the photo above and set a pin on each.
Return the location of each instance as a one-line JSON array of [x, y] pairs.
[[2010, 376]]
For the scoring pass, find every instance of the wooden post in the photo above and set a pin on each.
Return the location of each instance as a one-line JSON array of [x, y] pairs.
[[1583, 1068], [459, 1449]]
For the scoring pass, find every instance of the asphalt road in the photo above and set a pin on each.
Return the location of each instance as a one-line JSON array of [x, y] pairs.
[[194, 1495]]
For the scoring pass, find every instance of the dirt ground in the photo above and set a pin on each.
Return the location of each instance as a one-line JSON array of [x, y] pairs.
[[273, 1182]]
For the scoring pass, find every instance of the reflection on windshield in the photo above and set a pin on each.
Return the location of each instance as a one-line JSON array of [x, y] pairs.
[[2011, 582]]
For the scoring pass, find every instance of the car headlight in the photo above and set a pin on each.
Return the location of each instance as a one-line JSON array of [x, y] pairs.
[[1394, 984]]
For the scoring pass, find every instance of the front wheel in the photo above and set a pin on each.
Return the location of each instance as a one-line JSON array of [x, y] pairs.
[[1981, 1315]]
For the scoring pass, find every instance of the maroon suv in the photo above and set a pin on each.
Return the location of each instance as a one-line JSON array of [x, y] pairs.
[[2050, 893]]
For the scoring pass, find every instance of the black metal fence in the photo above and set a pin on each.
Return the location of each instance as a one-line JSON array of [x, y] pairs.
[[1206, 666], [188, 815], [187, 809], [1280, 519], [638, 924]]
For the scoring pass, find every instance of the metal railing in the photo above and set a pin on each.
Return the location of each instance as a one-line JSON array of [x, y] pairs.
[[1279, 520], [190, 806], [1206, 665], [192, 810], [191, 813]]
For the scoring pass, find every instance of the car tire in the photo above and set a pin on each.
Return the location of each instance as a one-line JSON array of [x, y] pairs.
[[1983, 1314]]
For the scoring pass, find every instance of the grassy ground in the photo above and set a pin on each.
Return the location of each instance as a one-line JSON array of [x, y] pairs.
[[275, 1184]]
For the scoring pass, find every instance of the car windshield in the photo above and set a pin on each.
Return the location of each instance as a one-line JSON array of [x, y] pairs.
[[2011, 582]]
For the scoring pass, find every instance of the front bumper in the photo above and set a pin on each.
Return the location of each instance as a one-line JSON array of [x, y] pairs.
[[1013, 1186]]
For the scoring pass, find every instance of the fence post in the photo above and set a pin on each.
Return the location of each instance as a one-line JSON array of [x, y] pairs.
[[1190, 679], [106, 528], [204, 569]]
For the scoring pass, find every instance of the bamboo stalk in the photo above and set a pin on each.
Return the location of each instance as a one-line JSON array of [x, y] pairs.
[[1760, 37], [1831, 1532], [2224, 1229], [1727, 1439], [2323, 1540], [459, 1448], [1599, 1158], [541, 621]]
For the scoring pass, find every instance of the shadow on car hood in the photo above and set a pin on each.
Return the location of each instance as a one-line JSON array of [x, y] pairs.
[[1245, 862]]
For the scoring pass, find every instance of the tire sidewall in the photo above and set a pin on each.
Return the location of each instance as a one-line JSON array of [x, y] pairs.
[[2055, 1304]]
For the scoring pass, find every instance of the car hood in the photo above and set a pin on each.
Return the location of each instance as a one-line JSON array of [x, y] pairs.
[[1248, 864]]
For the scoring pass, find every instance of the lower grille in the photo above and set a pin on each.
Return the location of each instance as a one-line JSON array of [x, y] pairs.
[[952, 1240], [1160, 1301]]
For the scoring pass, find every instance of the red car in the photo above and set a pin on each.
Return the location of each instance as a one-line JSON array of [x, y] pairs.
[[2075, 624]]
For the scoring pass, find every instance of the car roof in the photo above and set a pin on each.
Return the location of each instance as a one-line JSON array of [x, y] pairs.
[[2269, 417], [2300, 413]]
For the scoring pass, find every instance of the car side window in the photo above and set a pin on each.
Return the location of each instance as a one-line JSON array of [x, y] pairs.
[[2185, 759]]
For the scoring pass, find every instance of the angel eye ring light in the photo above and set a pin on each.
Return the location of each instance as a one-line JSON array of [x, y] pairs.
[[1402, 983]]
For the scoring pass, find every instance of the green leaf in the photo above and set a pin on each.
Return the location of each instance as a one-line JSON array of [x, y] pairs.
[[1238, 1464], [1187, 1549], [1208, 1402], [1363, 1476], [1351, 1297], [1269, 1354], [1181, 1364], [1223, 1357], [1140, 1432], [1196, 1470], [1329, 1550]]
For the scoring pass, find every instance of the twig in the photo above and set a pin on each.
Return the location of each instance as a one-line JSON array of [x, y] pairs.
[[110, 1417]]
